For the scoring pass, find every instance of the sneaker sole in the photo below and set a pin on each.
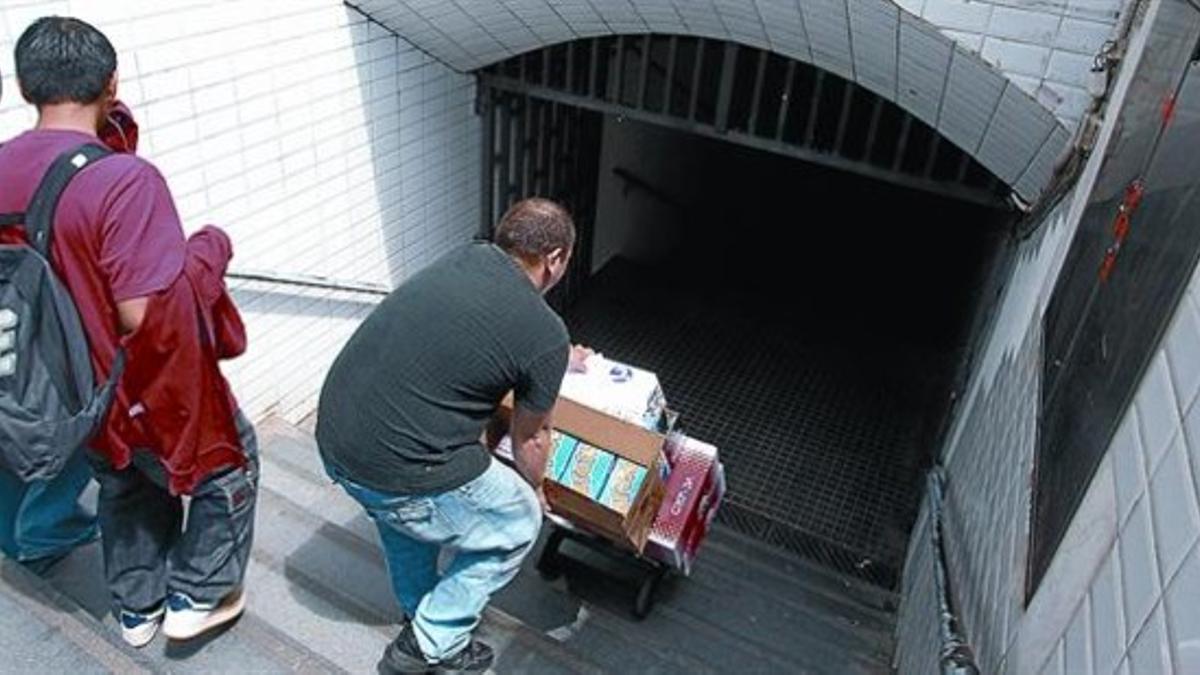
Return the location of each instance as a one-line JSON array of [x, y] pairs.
[[138, 640], [221, 615]]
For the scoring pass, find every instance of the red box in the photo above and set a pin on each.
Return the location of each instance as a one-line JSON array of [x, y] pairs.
[[694, 491]]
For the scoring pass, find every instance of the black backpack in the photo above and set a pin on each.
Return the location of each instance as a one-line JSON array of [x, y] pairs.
[[49, 405]]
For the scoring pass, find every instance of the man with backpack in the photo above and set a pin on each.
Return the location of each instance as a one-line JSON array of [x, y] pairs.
[[42, 520], [124, 291]]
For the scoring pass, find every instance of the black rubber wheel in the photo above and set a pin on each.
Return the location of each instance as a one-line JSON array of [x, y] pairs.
[[549, 563], [645, 597]]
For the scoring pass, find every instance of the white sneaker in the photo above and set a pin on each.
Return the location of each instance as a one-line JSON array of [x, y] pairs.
[[187, 618], [139, 629]]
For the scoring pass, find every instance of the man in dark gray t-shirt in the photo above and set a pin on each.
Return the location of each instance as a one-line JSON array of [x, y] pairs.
[[404, 407]]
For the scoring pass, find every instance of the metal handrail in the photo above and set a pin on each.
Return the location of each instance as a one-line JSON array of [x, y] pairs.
[[310, 281], [955, 656]]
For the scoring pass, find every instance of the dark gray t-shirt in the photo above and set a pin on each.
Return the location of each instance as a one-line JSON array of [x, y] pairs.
[[406, 401]]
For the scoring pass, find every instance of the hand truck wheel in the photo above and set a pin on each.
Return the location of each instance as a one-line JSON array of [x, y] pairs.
[[645, 596]]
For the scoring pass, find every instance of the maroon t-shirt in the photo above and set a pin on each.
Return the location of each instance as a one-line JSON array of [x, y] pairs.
[[117, 235]]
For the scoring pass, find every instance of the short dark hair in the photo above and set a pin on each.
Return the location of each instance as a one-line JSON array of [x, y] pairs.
[[63, 60], [534, 227]]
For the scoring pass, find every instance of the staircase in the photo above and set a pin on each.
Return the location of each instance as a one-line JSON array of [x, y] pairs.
[[319, 601]]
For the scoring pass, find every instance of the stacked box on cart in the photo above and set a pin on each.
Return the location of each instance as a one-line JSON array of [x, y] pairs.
[[618, 389], [625, 521], [694, 491]]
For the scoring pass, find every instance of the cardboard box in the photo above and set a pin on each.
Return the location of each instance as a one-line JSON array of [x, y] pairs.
[[622, 440], [693, 493], [618, 389]]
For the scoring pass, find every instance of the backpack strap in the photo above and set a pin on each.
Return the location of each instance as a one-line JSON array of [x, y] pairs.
[[11, 219], [39, 217]]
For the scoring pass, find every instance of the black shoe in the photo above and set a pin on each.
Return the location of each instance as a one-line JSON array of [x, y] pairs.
[[403, 657], [475, 658]]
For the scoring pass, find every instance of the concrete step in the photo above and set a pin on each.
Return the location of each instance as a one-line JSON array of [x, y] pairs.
[[43, 630], [743, 607], [319, 601]]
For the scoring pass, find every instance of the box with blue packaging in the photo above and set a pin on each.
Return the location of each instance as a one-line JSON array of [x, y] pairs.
[[588, 470], [623, 485], [562, 449], [604, 473]]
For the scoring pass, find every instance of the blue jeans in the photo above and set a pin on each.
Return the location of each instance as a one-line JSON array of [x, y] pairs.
[[489, 525], [44, 519]]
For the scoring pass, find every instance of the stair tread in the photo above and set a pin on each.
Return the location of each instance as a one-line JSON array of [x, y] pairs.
[[745, 599], [319, 600]]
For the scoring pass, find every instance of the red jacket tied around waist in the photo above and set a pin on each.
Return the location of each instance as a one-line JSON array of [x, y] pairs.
[[173, 399]]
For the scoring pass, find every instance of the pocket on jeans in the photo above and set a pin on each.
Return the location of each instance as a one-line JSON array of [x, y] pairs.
[[237, 488], [411, 510], [430, 519], [230, 497]]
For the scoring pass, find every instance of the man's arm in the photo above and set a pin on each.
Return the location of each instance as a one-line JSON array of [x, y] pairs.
[[130, 314], [537, 390], [531, 443], [142, 248]]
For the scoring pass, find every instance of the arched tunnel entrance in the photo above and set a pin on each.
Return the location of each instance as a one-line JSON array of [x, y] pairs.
[[802, 261]]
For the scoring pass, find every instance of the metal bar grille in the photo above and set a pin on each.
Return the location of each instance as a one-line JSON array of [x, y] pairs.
[[927, 183]]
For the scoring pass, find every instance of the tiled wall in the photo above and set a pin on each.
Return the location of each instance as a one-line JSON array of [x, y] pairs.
[[1123, 590], [325, 144], [988, 463], [1122, 594], [943, 77], [1141, 613], [1045, 47]]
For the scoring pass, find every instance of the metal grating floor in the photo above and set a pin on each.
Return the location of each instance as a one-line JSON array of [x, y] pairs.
[[818, 431]]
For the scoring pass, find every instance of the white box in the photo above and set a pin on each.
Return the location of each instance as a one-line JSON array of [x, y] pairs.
[[618, 389]]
